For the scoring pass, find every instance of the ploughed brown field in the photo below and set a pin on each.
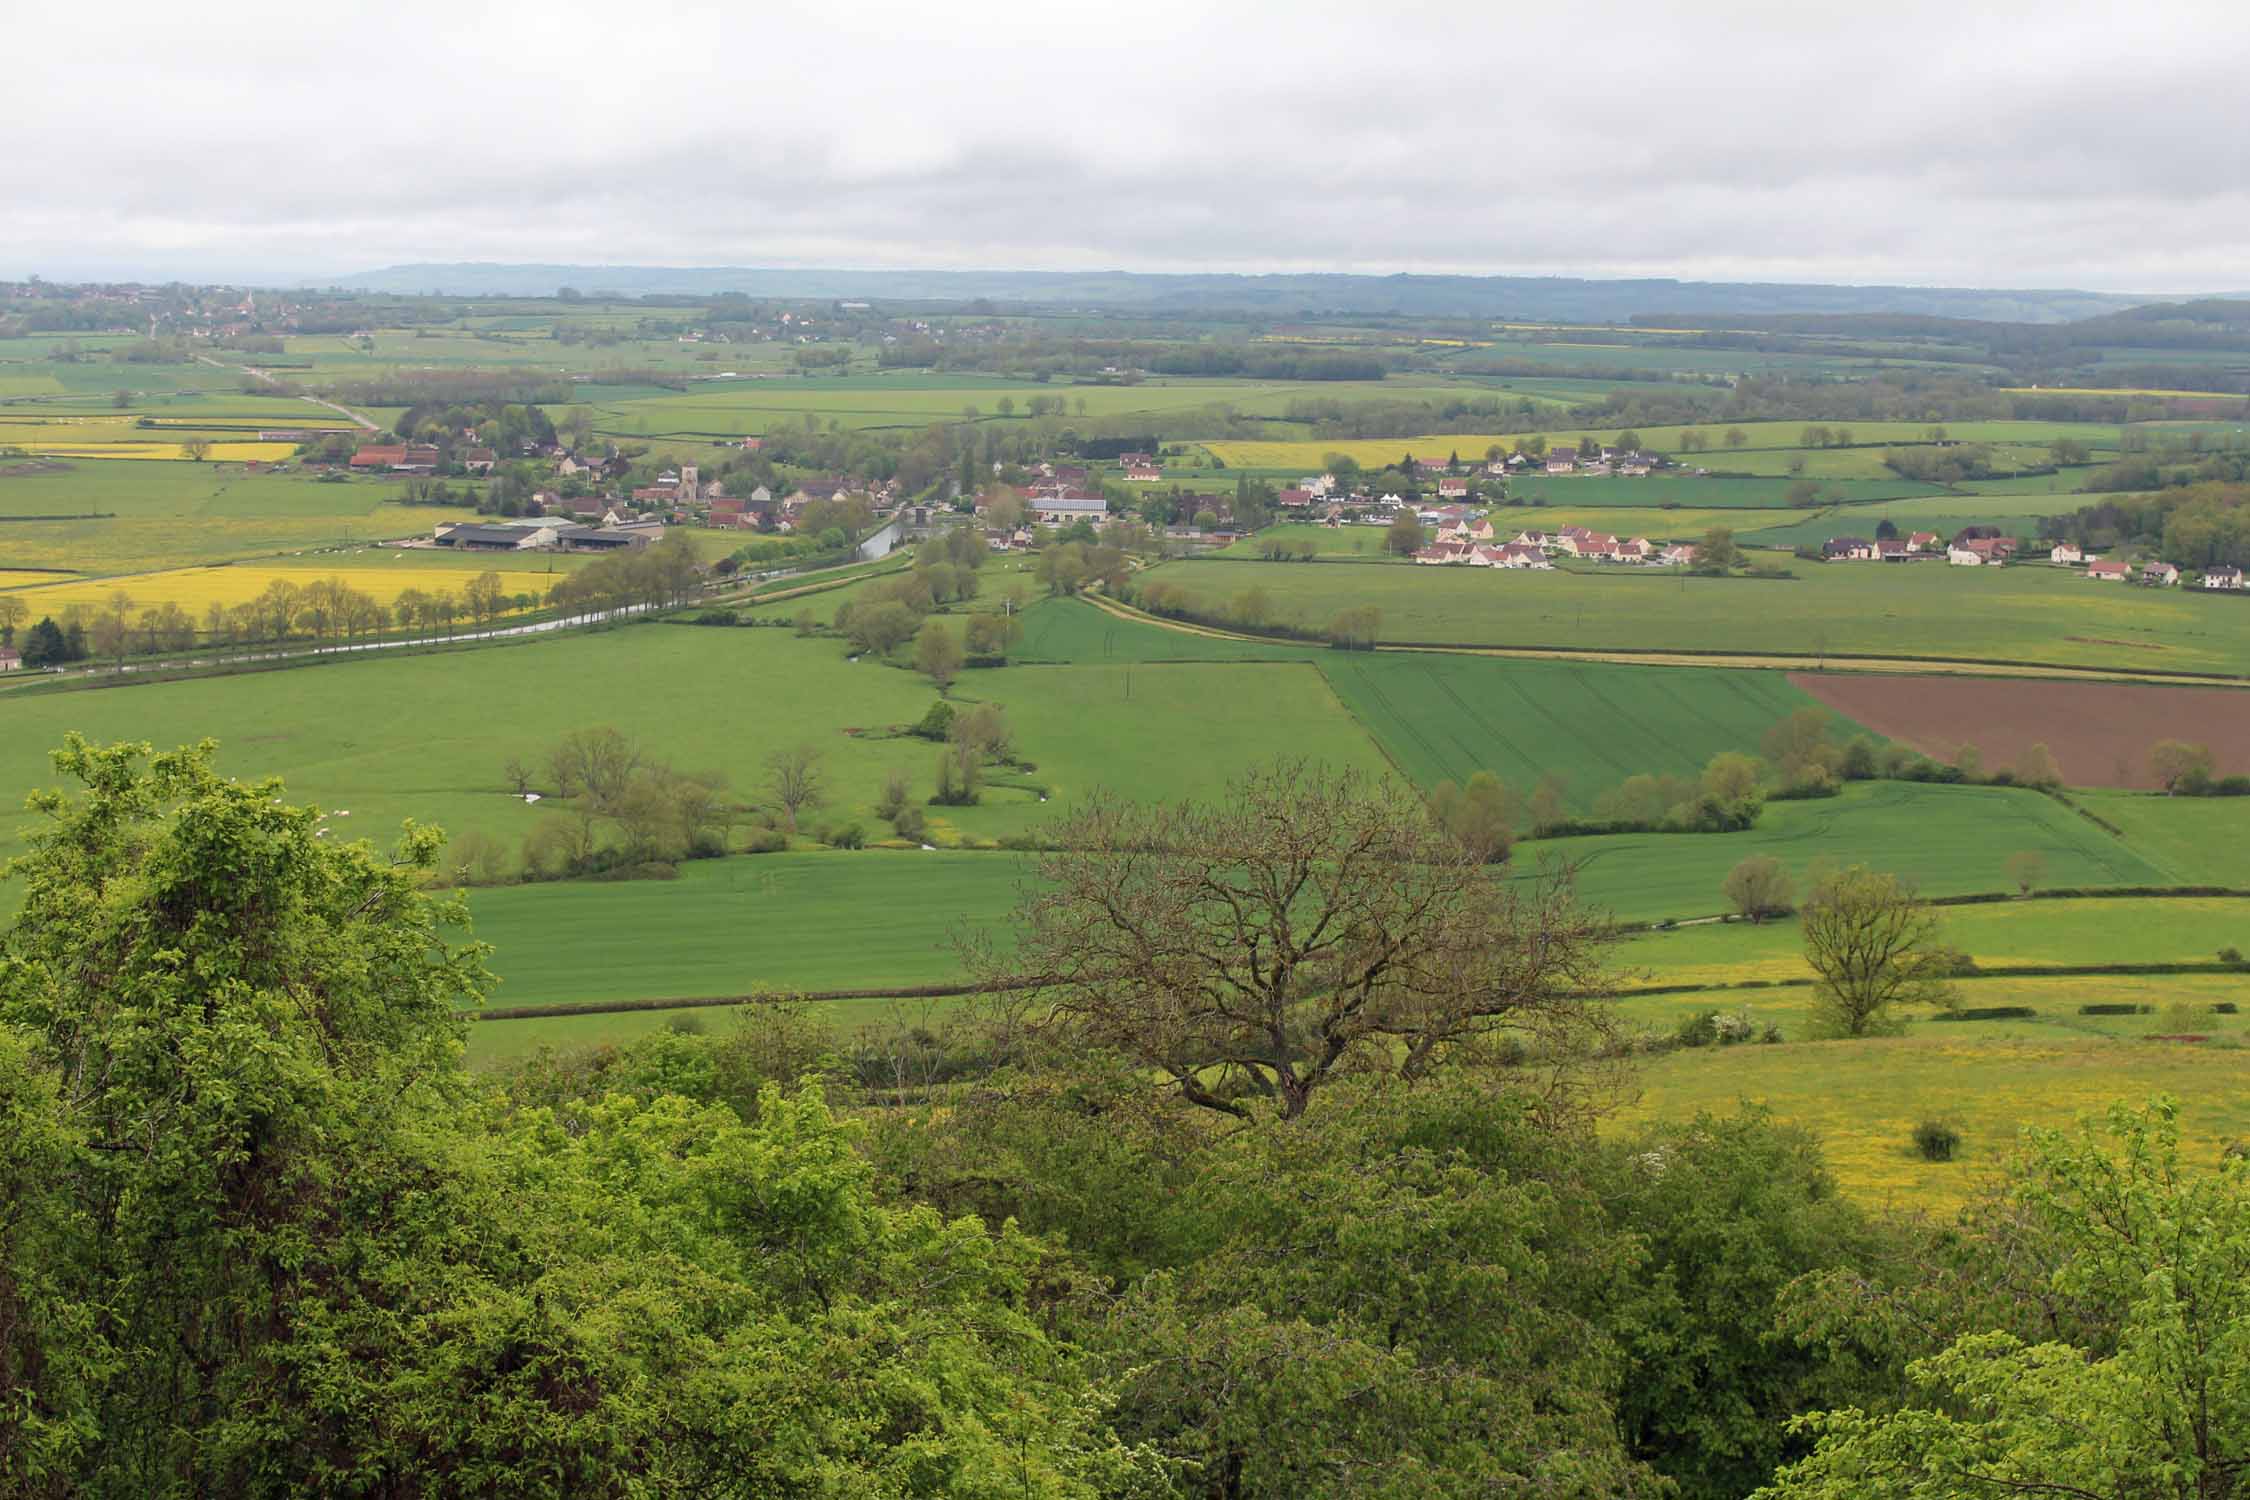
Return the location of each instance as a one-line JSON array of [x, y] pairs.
[[2100, 732]]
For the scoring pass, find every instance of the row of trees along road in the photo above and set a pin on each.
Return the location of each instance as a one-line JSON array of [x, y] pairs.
[[1259, 1203]]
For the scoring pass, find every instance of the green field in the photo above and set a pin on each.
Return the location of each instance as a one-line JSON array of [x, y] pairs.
[[2195, 840], [1072, 631], [426, 736], [2017, 513], [1365, 543], [143, 517], [1949, 840], [1862, 1098], [723, 409], [1447, 717], [2078, 931], [815, 921], [2008, 614], [829, 920], [1655, 491], [1766, 450]]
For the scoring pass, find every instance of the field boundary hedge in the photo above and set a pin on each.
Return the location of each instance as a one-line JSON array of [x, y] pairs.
[[708, 1002], [951, 991]]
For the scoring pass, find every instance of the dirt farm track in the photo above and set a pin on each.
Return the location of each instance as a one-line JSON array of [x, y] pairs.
[[2100, 732]]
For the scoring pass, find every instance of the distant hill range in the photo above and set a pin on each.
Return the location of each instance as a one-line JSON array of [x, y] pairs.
[[1546, 299]]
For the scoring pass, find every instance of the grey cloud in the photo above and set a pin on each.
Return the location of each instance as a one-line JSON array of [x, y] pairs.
[[1995, 144]]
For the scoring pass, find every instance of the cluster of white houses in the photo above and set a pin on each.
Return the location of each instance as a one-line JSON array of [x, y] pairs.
[[1971, 550], [1475, 542]]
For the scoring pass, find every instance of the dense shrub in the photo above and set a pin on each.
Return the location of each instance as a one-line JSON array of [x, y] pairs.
[[935, 724], [1936, 1140]]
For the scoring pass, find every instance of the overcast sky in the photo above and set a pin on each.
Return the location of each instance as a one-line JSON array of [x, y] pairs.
[[1974, 142]]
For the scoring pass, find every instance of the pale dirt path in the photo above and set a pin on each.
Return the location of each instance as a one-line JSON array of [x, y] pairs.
[[363, 422]]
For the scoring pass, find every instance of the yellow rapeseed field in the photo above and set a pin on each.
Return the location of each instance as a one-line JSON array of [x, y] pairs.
[[197, 589], [82, 436], [214, 452]]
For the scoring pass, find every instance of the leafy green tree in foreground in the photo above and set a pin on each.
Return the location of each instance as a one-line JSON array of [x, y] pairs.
[[262, 1236], [1873, 945], [2157, 1409]]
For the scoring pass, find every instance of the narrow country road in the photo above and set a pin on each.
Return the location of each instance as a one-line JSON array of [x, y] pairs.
[[363, 422]]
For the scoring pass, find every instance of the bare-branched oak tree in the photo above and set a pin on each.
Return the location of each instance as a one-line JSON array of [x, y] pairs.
[[1311, 924]]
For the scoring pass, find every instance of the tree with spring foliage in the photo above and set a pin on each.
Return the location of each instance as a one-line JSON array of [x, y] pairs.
[[1871, 941], [262, 1235]]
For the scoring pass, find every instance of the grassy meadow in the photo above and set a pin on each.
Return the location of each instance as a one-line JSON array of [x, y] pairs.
[[426, 735], [1861, 1099], [1766, 449], [115, 516], [2026, 614], [1949, 840], [770, 922]]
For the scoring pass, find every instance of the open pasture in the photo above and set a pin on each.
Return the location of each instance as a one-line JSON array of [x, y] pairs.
[[723, 409], [2195, 840], [1950, 840], [2099, 732], [426, 736], [1447, 717], [114, 516], [1780, 439], [2026, 614], [1862, 1099], [1074, 631], [2017, 513], [1658, 490], [2117, 930], [812, 921]]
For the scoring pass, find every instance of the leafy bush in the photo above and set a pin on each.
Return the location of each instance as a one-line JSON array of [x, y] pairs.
[[2231, 955], [765, 841], [2113, 1008], [1936, 1140], [936, 724], [848, 836], [1949, 963], [1698, 1030]]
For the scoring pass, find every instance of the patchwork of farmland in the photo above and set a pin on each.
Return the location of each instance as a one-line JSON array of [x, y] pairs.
[[426, 736]]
